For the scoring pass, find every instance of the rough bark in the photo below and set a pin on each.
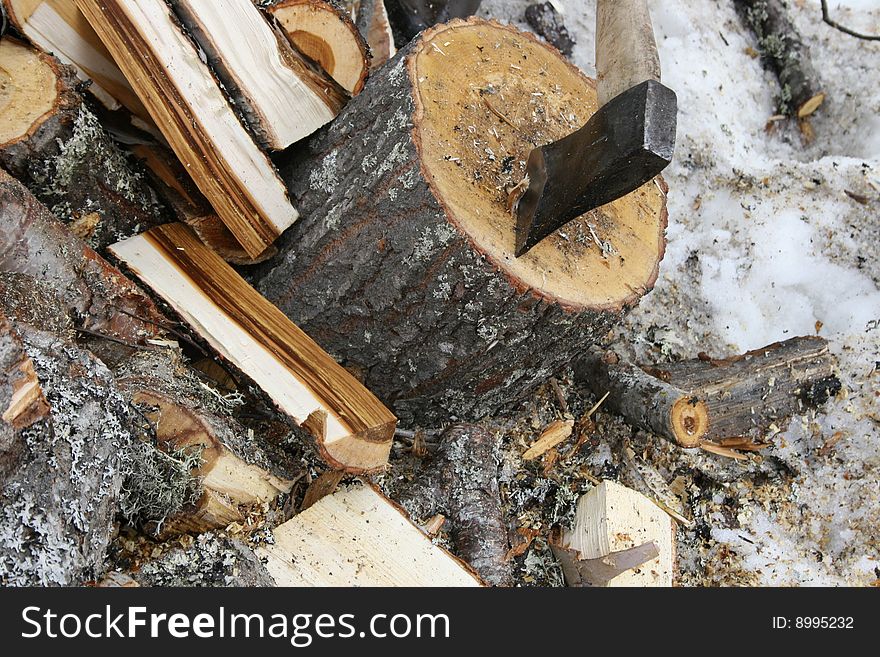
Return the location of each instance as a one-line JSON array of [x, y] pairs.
[[746, 394], [785, 54], [380, 274], [409, 17], [460, 481], [59, 503], [374, 25], [547, 22], [67, 159]]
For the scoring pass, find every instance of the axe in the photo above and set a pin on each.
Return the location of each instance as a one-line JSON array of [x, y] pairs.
[[627, 142]]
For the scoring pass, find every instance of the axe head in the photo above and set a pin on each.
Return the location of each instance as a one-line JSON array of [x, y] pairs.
[[624, 145]]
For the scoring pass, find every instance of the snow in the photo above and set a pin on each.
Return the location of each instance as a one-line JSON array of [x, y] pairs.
[[765, 244]]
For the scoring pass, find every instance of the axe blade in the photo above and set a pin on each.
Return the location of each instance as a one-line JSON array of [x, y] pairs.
[[625, 144]]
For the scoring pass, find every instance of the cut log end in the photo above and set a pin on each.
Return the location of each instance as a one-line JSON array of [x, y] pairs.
[[474, 146], [690, 421], [327, 36], [29, 91]]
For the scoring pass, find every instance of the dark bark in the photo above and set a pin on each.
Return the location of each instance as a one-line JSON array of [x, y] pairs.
[[548, 23], [460, 480], [784, 52], [409, 17], [72, 165], [377, 272]]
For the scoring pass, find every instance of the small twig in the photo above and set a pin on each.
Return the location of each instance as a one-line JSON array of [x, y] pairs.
[[500, 115], [826, 17], [560, 396], [109, 338], [170, 329]]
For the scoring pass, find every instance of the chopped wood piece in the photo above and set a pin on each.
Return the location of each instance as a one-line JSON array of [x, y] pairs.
[[415, 282], [22, 402], [409, 17], [176, 87], [785, 53], [612, 518], [547, 22], [745, 394], [321, 487], [58, 27], [52, 142], [645, 401], [282, 97], [353, 430], [461, 481], [373, 23], [327, 35], [553, 434], [358, 537]]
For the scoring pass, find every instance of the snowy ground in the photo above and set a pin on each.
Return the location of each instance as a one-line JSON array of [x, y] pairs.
[[765, 244]]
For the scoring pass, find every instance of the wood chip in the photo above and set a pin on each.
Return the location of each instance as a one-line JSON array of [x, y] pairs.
[[321, 487], [553, 434]]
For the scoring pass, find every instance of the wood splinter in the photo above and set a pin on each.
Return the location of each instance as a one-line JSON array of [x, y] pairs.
[[352, 429]]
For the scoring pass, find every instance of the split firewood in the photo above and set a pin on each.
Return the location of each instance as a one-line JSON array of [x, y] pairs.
[[175, 85], [644, 400], [327, 35], [59, 492], [619, 538], [460, 481], [409, 17], [235, 471], [414, 281], [785, 53], [58, 27], [374, 25], [547, 22], [282, 97], [51, 141], [352, 429], [746, 394], [358, 537]]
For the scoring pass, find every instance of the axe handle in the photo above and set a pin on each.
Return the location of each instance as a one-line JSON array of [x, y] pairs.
[[626, 52]]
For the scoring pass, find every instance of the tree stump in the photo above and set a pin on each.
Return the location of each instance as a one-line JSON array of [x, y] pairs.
[[402, 264]]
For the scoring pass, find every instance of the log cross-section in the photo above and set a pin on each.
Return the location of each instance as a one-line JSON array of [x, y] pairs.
[[177, 87], [353, 430]]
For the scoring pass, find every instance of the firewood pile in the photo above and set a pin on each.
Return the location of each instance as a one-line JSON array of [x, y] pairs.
[[261, 321]]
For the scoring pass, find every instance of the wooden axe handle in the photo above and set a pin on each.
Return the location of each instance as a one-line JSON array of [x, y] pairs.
[[626, 53]]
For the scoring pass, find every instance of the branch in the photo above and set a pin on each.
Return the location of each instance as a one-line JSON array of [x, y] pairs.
[[837, 26]]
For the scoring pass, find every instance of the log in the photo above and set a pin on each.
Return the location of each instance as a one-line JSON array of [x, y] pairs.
[[373, 23], [51, 141], [547, 22], [96, 296], [58, 27], [404, 263], [409, 17], [281, 96], [175, 86], [358, 537], [784, 52], [612, 520], [352, 429], [644, 400], [327, 35], [59, 499], [460, 481], [746, 394]]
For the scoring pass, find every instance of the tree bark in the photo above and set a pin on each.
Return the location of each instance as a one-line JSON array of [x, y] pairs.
[[52, 142], [460, 481], [402, 263]]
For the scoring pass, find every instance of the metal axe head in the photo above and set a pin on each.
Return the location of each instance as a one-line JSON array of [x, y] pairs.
[[625, 144]]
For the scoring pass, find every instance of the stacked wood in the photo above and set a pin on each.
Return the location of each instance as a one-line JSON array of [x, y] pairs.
[[174, 85], [327, 35], [413, 279], [352, 429], [58, 27], [460, 481], [698, 401], [785, 53], [52, 142], [619, 538], [358, 537], [282, 98]]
